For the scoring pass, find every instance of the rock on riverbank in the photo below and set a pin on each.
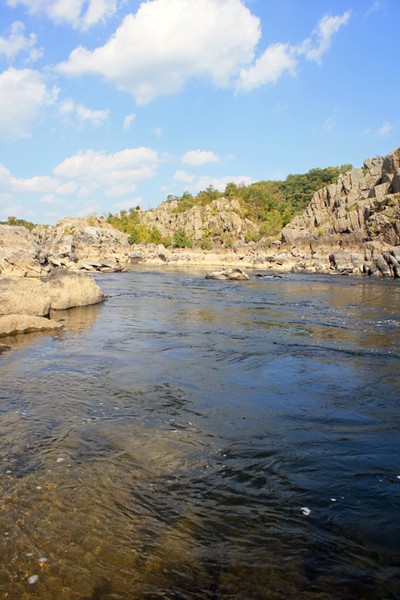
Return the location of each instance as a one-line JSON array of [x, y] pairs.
[[25, 303]]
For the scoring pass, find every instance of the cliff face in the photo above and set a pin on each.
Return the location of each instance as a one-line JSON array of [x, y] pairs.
[[363, 206], [355, 222]]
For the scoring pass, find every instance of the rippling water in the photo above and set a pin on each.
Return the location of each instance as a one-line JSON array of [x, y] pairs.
[[191, 438]]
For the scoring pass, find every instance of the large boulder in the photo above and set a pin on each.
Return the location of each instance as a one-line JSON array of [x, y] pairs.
[[67, 290], [17, 324], [24, 296], [58, 291], [19, 253]]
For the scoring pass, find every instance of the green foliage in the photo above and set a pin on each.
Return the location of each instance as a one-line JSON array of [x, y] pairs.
[[205, 243], [141, 234], [14, 222], [125, 220], [181, 239], [270, 205], [185, 202], [299, 189]]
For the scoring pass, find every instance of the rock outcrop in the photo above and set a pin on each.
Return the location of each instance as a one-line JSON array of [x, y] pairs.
[[89, 244], [19, 253], [354, 225], [221, 219]]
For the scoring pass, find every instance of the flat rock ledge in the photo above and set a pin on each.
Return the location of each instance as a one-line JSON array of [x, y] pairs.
[[18, 324]]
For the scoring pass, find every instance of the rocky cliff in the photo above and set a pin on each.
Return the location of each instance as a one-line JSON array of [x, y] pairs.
[[354, 224]]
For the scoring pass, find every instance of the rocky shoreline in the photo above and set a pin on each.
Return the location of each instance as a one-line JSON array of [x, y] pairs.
[[351, 227]]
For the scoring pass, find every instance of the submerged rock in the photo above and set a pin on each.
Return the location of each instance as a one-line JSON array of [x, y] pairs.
[[228, 275]]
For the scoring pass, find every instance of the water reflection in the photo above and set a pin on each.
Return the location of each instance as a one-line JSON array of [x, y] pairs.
[[167, 442]]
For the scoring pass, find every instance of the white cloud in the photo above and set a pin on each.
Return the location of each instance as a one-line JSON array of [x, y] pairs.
[[115, 174], [16, 42], [128, 121], [126, 204], [183, 176], [315, 47], [167, 42], [268, 68], [385, 130], [81, 14], [196, 158], [219, 183], [23, 95], [69, 108]]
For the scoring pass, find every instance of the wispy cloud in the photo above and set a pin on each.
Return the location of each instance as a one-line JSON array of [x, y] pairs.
[[385, 130], [81, 14], [128, 120], [82, 114]]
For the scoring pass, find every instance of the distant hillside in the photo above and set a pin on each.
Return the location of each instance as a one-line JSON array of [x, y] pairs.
[[213, 219]]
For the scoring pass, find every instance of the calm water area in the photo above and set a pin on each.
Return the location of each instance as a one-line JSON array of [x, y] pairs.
[[199, 439]]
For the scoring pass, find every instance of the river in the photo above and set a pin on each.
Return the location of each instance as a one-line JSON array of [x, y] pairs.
[[198, 439]]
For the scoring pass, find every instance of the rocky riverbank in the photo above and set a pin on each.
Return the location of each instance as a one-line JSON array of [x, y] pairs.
[[350, 227]]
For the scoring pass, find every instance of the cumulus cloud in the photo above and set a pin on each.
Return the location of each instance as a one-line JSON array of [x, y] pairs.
[[196, 158], [167, 42], [84, 181], [81, 14], [16, 42], [23, 95], [115, 174], [69, 108]]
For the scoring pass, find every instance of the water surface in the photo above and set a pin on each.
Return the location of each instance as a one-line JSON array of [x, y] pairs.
[[191, 438]]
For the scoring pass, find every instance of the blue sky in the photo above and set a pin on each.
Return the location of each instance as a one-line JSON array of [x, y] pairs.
[[110, 104]]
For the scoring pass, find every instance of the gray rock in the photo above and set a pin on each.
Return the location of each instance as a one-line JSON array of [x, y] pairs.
[[228, 275]]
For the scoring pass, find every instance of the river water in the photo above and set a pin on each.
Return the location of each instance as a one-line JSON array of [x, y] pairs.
[[196, 439]]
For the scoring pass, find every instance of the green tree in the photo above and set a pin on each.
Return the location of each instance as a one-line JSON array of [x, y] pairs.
[[181, 239]]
